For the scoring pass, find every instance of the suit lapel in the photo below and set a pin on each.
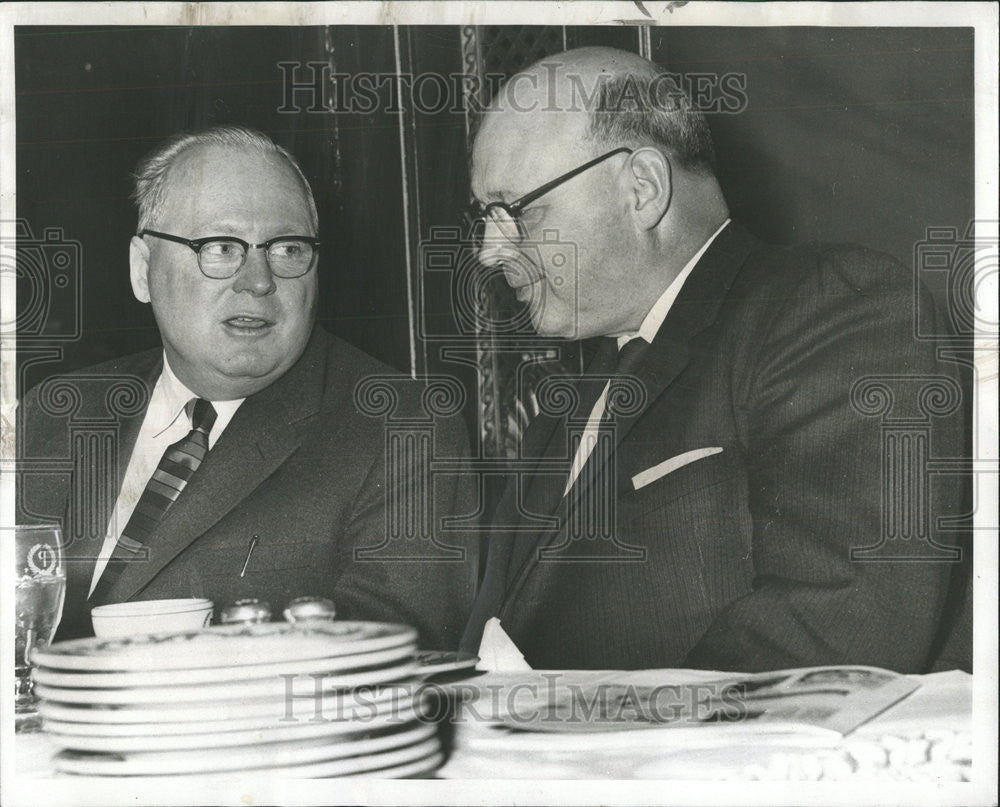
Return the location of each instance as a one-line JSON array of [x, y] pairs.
[[695, 309], [266, 429]]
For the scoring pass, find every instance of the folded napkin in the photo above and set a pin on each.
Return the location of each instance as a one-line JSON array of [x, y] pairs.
[[497, 652]]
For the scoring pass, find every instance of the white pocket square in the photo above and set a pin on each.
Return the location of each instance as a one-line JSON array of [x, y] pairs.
[[643, 478]]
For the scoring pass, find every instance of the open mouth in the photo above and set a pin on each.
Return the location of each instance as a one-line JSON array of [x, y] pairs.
[[248, 324]]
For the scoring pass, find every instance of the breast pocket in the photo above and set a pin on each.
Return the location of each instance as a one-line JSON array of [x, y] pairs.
[[692, 476], [239, 560]]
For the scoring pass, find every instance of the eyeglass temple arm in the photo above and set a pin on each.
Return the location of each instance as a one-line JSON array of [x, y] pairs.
[[538, 192], [168, 237]]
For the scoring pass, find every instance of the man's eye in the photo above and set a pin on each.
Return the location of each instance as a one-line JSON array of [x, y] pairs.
[[287, 249], [220, 249]]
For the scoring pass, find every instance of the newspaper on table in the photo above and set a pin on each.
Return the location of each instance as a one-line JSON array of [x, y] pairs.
[[830, 701]]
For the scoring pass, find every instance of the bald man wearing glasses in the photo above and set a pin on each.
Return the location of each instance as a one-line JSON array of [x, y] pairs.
[[712, 494], [243, 465]]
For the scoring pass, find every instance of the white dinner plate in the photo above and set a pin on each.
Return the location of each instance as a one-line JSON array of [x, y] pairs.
[[354, 708], [301, 686], [404, 770], [253, 749], [424, 765], [207, 675], [331, 705], [225, 646], [267, 761], [421, 766]]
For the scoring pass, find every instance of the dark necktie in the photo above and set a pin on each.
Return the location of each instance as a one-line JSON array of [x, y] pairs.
[[621, 363], [176, 467], [609, 361], [627, 360]]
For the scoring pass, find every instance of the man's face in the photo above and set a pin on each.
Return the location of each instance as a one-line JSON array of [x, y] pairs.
[[571, 270], [227, 338]]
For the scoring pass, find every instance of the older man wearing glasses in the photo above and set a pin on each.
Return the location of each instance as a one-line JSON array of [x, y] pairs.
[[243, 466], [715, 500]]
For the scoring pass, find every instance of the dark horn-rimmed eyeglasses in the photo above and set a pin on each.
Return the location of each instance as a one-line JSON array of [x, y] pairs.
[[506, 216], [222, 256]]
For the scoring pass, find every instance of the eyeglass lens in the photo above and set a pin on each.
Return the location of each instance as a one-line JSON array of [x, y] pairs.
[[222, 259], [501, 222]]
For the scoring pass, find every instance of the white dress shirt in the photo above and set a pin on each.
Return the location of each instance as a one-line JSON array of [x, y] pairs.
[[165, 423], [647, 331]]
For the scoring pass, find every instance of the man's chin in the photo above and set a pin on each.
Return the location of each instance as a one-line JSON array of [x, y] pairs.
[[553, 330], [247, 376]]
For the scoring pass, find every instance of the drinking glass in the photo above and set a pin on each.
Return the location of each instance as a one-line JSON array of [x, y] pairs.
[[40, 586]]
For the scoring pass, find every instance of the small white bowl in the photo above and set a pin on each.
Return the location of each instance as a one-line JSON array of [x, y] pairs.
[[150, 616]]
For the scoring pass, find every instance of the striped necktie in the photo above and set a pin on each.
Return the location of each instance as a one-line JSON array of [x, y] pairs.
[[174, 471]]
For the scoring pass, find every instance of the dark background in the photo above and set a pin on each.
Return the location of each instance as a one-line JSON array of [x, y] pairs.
[[862, 135]]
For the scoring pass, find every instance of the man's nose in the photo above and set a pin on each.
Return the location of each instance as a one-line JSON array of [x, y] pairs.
[[255, 275], [495, 250], [517, 267]]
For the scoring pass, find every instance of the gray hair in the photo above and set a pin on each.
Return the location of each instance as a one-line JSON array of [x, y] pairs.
[[153, 171], [637, 108]]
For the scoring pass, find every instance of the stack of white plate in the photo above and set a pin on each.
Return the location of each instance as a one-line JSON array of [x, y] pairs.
[[314, 700]]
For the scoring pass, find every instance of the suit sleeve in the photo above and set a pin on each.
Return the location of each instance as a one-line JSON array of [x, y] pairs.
[[391, 577], [820, 478]]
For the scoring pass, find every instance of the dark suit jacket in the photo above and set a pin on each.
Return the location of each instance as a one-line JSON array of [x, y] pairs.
[[742, 559], [299, 465]]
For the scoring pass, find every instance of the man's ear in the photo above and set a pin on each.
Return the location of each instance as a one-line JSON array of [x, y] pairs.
[[138, 263], [652, 186]]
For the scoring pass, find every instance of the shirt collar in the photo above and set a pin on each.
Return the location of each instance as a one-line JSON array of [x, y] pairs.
[[171, 395], [658, 313]]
